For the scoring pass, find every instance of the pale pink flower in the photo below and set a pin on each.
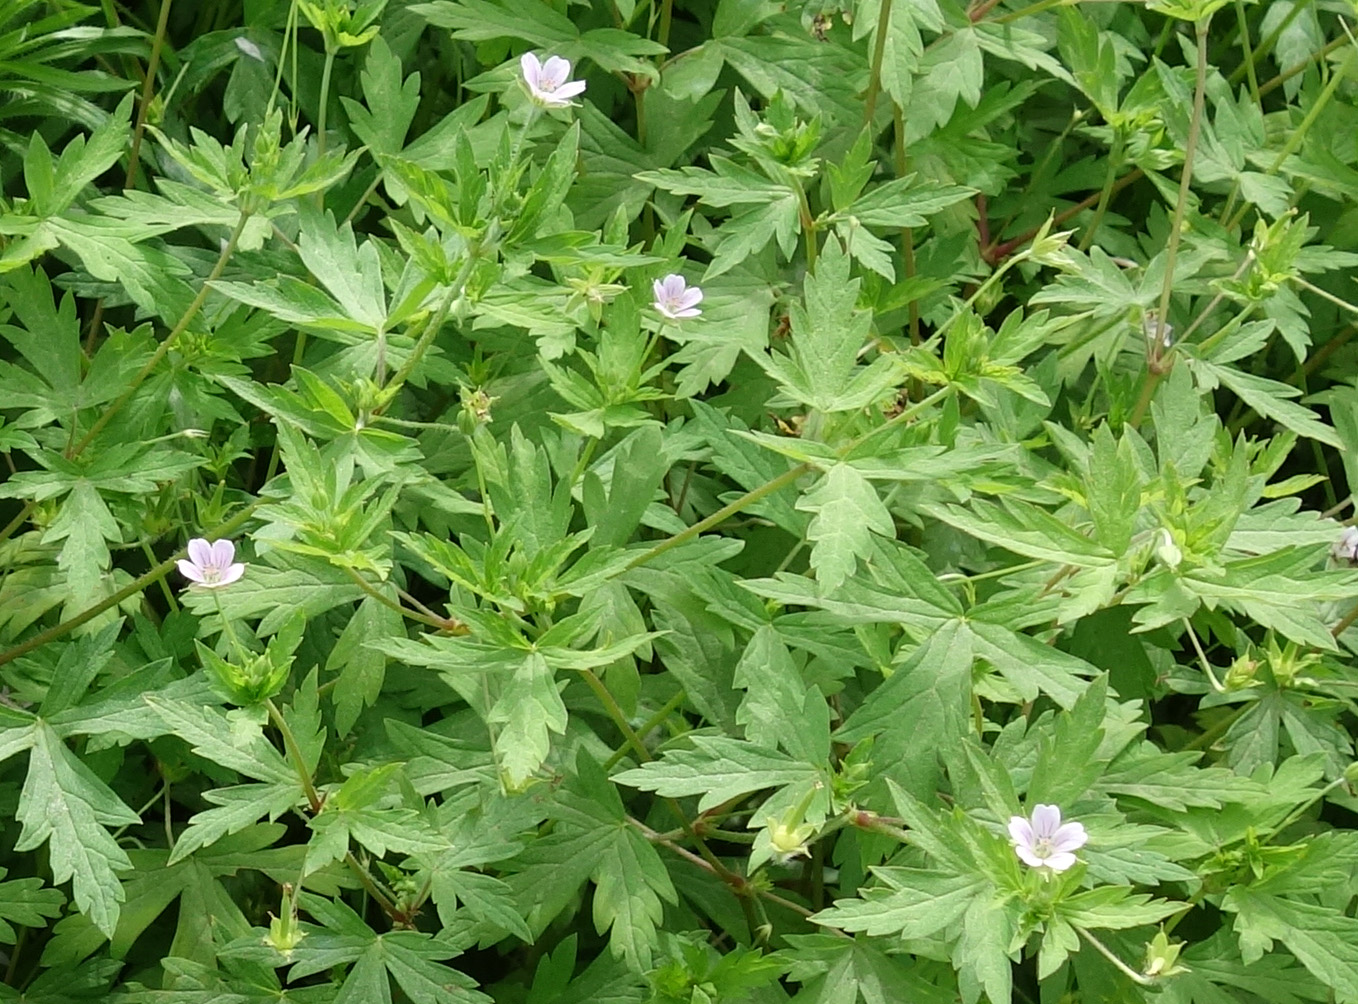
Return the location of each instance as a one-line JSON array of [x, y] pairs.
[[1044, 841], [548, 82], [675, 298], [211, 565]]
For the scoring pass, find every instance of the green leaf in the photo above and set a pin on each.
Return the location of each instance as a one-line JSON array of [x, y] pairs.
[[1113, 489], [922, 707], [922, 903], [1322, 938], [848, 512], [772, 706], [28, 902], [718, 769], [362, 666], [237, 808], [63, 804], [529, 708], [391, 103], [1269, 398], [234, 739], [1024, 529]]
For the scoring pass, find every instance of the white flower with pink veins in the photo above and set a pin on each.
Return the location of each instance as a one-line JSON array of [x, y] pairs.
[[1043, 841], [549, 82], [211, 565], [675, 298]]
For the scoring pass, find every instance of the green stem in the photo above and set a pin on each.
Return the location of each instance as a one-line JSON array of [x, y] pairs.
[[615, 712], [1154, 374], [1218, 729], [148, 85], [878, 52], [1298, 135], [778, 483], [295, 754], [1325, 294], [1125, 969], [1028, 11], [370, 885], [325, 100], [164, 586], [1106, 193], [1266, 46], [1245, 44], [876, 824], [670, 707], [19, 519], [907, 233], [164, 347], [743, 888], [666, 15], [386, 601], [437, 318], [131, 589], [1296, 813], [1344, 624], [808, 227], [722, 514]]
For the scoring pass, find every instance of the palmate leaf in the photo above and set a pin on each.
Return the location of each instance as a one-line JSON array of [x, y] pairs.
[[848, 512], [822, 369], [63, 804], [842, 971], [926, 903], [412, 959], [28, 902], [592, 839], [718, 769], [1325, 940]]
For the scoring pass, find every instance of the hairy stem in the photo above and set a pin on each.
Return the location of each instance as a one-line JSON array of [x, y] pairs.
[[295, 755], [1154, 374], [131, 589], [878, 53], [163, 349], [148, 85]]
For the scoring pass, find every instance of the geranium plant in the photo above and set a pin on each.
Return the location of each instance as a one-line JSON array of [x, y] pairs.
[[699, 502]]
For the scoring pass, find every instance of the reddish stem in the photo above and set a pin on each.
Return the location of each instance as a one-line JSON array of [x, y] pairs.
[[996, 253]]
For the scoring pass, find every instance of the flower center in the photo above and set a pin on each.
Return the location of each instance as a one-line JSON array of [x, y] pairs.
[[211, 573], [547, 84], [1043, 848]]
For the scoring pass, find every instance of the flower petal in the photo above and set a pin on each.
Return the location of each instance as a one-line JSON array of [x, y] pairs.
[[231, 573], [1060, 862], [1028, 857], [556, 71], [690, 312], [189, 570], [691, 297], [658, 289], [1069, 837], [223, 553], [200, 552], [570, 89], [1021, 831], [674, 286], [1046, 821], [532, 69]]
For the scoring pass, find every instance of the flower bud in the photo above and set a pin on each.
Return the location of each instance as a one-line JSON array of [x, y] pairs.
[[1162, 958], [1166, 551], [284, 933]]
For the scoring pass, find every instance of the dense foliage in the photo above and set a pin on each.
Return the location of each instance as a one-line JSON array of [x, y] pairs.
[[805, 502]]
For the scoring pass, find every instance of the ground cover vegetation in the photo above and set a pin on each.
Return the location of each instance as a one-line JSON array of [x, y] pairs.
[[700, 501]]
